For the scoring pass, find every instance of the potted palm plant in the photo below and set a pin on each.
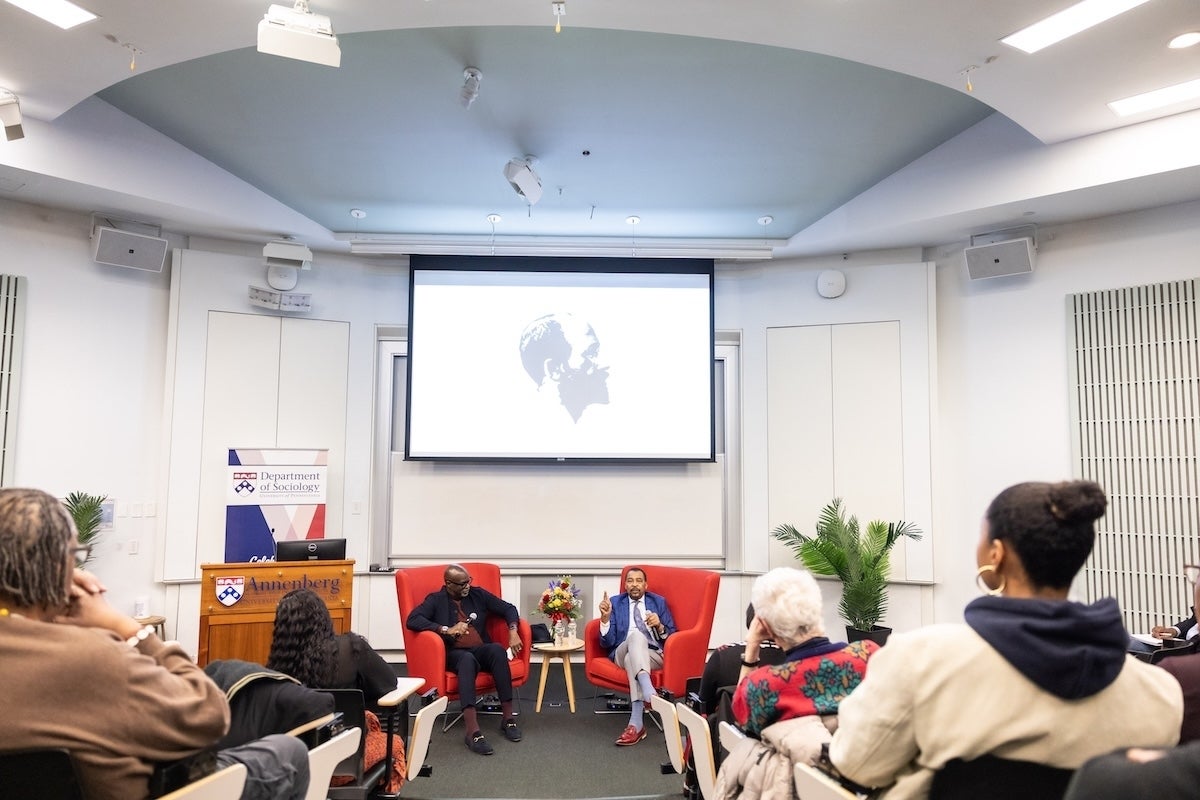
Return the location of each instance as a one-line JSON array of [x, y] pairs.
[[88, 512], [858, 558]]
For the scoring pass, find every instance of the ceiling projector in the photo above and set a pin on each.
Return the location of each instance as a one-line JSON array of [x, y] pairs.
[[523, 179], [300, 34]]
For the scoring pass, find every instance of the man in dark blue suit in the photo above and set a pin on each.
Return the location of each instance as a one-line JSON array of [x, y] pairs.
[[634, 625]]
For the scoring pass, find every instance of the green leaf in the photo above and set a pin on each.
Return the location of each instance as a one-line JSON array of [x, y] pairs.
[[839, 547], [87, 510]]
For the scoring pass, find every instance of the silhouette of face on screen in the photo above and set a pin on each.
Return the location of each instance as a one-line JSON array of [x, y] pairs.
[[563, 352]]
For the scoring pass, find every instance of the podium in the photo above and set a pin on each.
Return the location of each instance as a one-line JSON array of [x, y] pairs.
[[237, 603]]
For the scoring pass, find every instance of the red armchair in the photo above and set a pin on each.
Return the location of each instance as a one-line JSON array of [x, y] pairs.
[[426, 652], [691, 595]]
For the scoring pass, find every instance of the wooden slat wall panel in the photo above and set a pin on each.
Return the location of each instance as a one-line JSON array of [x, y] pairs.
[[1135, 379]]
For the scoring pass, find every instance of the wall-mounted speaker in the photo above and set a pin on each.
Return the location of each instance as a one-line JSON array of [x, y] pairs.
[[1010, 257], [125, 249]]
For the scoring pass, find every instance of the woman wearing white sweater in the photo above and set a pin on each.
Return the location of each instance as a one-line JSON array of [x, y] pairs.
[[1031, 676]]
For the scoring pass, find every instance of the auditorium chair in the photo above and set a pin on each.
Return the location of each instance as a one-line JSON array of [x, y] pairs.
[[691, 596], [425, 651]]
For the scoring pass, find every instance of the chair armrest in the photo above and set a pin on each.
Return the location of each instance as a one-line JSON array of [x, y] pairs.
[[592, 648], [425, 652], [312, 725], [401, 693]]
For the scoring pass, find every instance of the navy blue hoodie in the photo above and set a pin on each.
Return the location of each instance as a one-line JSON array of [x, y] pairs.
[[1068, 649]]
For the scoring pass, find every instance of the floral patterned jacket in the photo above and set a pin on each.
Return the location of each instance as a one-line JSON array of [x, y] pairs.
[[812, 680]]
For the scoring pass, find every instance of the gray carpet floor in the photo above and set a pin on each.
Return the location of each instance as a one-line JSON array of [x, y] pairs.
[[563, 756]]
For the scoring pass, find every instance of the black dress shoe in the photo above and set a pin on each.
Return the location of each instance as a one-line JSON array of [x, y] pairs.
[[510, 730], [477, 744]]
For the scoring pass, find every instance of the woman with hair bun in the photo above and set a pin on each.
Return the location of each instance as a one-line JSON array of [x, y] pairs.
[[1031, 676]]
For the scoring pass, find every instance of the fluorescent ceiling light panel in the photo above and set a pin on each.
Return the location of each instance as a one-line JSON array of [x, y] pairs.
[[1068, 22], [1159, 98], [64, 14]]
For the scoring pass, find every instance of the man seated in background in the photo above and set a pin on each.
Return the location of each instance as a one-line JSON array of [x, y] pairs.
[[77, 674], [459, 614], [634, 626], [1184, 629]]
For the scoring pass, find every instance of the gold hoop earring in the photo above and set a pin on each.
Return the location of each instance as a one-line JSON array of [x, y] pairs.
[[983, 587]]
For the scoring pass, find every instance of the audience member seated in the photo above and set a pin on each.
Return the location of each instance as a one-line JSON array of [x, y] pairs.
[[459, 614], [263, 702], [1179, 632], [1184, 629], [1031, 676], [815, 675], [1139, 774], [792, 706], [79, 674], [305, 647], [724, 667]]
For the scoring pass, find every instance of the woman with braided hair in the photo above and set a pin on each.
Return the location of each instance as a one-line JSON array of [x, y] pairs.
[[1032, 676]]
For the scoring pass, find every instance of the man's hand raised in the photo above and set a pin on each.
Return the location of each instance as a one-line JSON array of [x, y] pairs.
[[605, 608]]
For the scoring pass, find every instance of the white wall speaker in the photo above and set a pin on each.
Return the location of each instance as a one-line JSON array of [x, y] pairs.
[[125, 249], [1010, 257]]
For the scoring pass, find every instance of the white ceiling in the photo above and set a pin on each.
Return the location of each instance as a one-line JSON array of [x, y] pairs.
[[699, 116]]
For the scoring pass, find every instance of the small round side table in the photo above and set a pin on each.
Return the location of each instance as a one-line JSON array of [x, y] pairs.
[[551, 651]]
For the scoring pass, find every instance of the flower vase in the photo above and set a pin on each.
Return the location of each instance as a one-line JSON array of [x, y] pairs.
[[571, 631], [559, 629]]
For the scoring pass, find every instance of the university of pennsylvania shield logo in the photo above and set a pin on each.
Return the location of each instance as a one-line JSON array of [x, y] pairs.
[[230, 590]]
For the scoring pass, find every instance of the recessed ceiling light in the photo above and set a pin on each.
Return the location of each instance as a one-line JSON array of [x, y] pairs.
[[765, 219], [1068, 22], [57, 12], [1184, 40], [633, 219], [1159, 98], [494, 218], [358, 213]]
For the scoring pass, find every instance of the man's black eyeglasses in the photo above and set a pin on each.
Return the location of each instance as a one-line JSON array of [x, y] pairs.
[[459, 584], [81, 553]]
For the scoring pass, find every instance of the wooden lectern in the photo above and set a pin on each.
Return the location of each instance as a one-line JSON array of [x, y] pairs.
[[237, 603]]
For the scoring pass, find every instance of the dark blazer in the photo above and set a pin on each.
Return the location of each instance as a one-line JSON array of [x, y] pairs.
[[1186, 625], [437, 609], [618, 620]]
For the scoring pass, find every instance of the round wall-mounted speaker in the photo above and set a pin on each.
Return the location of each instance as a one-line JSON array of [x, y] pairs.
[[831, 283]]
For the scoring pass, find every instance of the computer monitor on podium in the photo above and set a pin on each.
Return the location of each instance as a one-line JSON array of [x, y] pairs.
[[311, 550]]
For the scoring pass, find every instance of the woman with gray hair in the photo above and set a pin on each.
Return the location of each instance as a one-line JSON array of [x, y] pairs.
[[815, 673]]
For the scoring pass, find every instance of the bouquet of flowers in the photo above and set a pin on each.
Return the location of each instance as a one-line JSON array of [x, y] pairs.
[[560, 601]]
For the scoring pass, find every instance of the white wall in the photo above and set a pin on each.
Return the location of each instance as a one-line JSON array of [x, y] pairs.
[[1002, 358], [90, 415]]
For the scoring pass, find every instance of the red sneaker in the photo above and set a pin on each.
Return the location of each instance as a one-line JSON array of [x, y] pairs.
[[631, 736]]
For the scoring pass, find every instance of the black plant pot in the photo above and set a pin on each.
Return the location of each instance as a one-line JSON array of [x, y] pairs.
[[878, 634]]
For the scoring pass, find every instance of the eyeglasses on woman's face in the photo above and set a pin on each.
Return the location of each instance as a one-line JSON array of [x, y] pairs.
[[81, 553], [1191, 572]]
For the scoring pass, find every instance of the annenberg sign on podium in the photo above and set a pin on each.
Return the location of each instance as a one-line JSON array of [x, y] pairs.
[[273, 495]]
